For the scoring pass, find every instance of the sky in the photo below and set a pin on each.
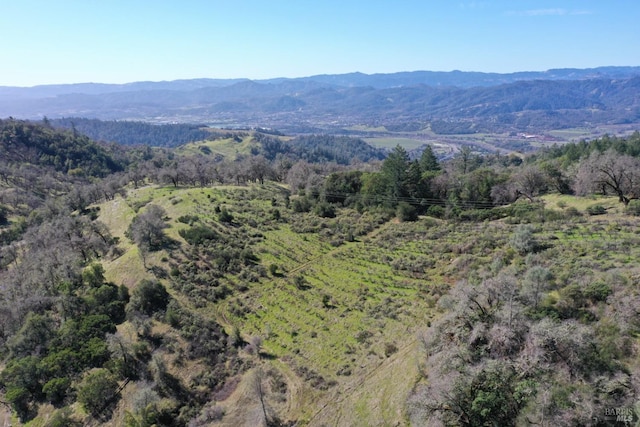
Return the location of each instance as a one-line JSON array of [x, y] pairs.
[[120, 41]]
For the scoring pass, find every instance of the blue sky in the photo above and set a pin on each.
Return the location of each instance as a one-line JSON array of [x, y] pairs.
[[118, 41]]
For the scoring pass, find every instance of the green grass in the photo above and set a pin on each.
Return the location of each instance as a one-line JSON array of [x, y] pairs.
[[227, 147], [564, 201], [574, 134], [365, 128], [391, 142]]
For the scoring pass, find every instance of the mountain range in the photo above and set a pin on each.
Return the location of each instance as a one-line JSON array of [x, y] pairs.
[[480, 101]]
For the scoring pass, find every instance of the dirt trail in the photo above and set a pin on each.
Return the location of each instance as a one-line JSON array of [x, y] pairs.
[[335, 400]]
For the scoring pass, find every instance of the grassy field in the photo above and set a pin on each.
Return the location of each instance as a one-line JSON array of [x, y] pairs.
[[229, 148], [390, 142]]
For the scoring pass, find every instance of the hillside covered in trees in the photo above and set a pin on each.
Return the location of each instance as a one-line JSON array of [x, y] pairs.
[[454, 102], [268, 280]]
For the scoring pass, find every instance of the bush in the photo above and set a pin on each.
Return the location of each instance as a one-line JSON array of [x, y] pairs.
[[435, 211], [300, 283], [188, 219], [522, 240], [405, 212], [526, 212], [596, 210], [273, 269], [325, 210], [572, 212], [633, 208], [225, 216], [301, 205], [198, 234], [389, 349], [62, 418]]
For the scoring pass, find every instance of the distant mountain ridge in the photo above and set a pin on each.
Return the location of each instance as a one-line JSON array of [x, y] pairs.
[[560, 97], [377, 80]]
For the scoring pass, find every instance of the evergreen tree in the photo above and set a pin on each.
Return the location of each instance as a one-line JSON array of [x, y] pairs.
[[395, 168], [428, 160]]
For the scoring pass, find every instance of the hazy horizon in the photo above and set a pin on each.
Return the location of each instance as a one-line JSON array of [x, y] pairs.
[[309, 76]]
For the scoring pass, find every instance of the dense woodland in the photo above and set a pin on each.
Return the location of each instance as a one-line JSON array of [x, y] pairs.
[[134, 133], [533, 337]]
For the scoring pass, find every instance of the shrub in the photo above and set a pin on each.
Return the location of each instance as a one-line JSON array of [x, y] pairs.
[[188, 219], [597, 291], [572, 211], [522, 240], [62, 418], [225, 216], [389, 349], [273, 269], [300, 282], [435, 211], [301, 204], [405, 212], [596, 210], [198, 234], [633, 208], [325, 210]]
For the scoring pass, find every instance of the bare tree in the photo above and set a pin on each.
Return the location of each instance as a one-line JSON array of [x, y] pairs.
[[529, 181], [609, 172]]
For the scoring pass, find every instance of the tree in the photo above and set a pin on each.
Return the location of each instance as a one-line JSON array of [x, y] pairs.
[[465, 160], [394, 169], [340, 186], [259, 168], [413, 180], [610, 172], [149, 297], [428, 160], [300, 176], [374, 187], [97, 390], [529, 181], [147, 229], [21, 381], [556, 177]]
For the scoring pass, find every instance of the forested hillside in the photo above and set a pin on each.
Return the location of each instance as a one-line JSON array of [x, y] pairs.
[[532, 102], [256, 279], [135, 133]]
